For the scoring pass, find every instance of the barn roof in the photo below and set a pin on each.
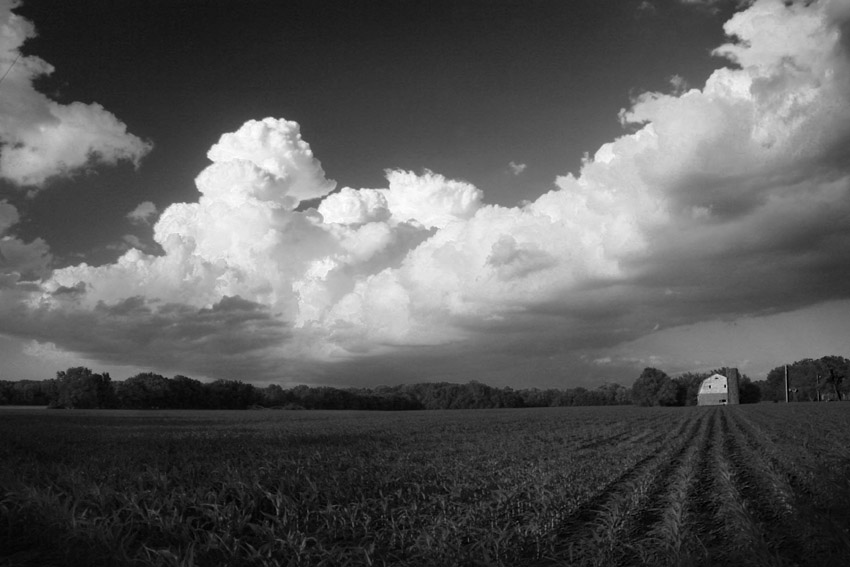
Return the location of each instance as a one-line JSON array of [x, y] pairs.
[[704, 389]]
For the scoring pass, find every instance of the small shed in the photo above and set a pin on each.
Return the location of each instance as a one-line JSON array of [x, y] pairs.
[[718, 390]]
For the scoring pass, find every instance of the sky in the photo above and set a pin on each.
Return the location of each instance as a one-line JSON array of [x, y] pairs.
[[524, 193]]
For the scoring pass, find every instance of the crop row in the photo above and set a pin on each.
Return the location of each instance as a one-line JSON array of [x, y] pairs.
[[601, 486], [728, 494]]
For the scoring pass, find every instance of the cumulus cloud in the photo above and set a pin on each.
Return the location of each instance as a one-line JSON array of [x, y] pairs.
[[40, 138], [271, 152], [243, 236], [19, 260], [430, 199], [143, 213], [8, 216], [517, 168], [752, 168], [351, 206], [721, 201]]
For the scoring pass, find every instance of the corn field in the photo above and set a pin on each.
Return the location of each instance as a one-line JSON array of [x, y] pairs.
[[746, 485]]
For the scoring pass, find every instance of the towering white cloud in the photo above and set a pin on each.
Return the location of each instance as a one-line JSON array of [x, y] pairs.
[[40, 138], [350, 206], [430, 199], [281, 164], [702, 211]]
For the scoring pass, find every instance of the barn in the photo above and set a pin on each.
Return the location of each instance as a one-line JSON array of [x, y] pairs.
[[717, 389]]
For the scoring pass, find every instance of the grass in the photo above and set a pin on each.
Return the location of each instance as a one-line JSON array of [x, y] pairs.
[[760, 485]]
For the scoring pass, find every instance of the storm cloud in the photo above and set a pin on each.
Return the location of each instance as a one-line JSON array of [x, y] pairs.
[[724, 201]]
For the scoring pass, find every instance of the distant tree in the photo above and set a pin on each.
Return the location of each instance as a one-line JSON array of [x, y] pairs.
[[534, 398], [274, 395], [613, 394], [187, 393], [808, 379], [804, 376], [144, 391], [748, 391], [773, 386], [80, 388], [765, 395], [604, 395], [34, 392], [509, 398], [6, 392], [654, 388], [579, 396], [399, 402], [835, 369], [26, 392], [231, 394], [688, 387], [51, 390]]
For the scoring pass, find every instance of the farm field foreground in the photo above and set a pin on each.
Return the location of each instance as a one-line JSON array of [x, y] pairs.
[[766, 484]]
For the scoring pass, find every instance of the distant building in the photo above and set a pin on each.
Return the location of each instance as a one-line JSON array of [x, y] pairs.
[[719, 390]]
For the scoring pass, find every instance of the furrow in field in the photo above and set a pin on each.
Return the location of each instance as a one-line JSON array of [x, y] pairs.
[[704, 524], [534, 513], [597, 533], [604, 441], [632, 435], [743, 540], [768, 495], [664, 533], [803, 533]]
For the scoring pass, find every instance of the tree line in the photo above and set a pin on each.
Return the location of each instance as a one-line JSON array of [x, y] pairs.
[[655, 388], [823, 379], [79, 387]]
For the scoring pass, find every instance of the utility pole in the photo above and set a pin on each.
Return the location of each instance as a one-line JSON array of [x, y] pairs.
[[786, 383]]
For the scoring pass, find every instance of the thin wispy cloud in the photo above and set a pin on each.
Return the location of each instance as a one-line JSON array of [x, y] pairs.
[[143, 214], [517, 168]]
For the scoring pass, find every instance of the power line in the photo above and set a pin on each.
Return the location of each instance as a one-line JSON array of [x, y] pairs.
[[18, 56]]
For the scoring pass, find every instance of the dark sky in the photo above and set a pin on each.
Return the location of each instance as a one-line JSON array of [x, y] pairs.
[[461, 88], [551, 193]]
